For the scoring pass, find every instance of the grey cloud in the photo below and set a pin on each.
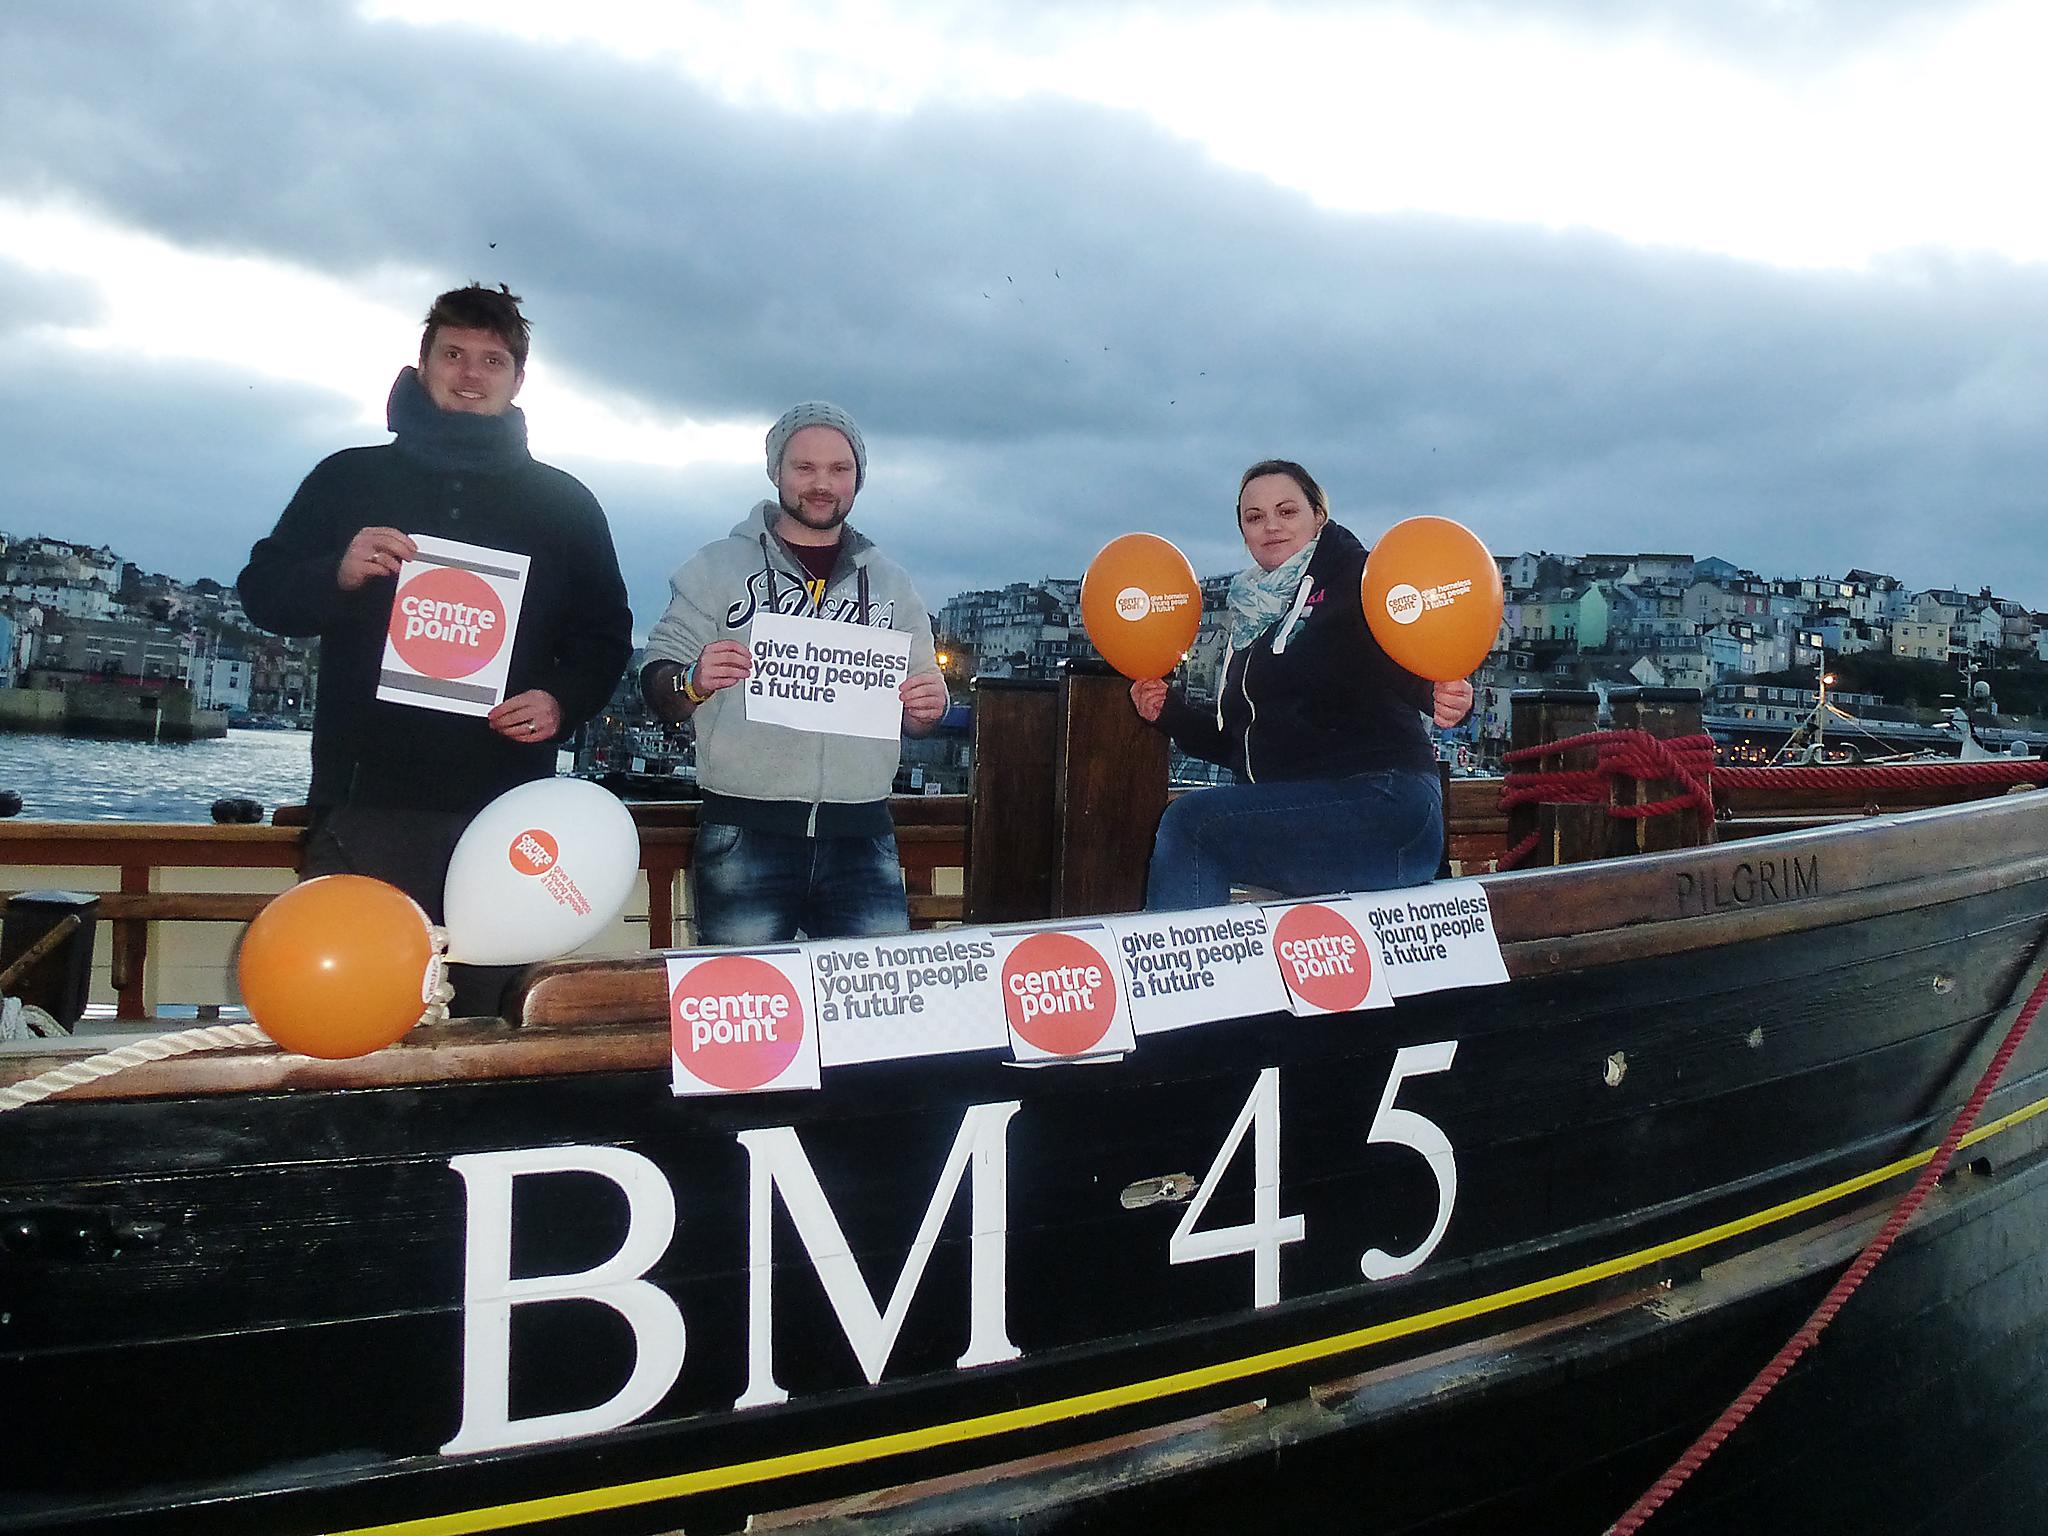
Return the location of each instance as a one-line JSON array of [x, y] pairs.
[[30, 298], [1556, 390]]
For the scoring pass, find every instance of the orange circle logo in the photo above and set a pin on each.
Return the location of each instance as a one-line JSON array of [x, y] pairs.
[[1059, 993], [736, 1022], [1324, 959], [447, 623], [534, 852]]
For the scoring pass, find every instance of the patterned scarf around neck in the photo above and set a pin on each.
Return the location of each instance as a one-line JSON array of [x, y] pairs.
[[1259, 598], [452, 440]]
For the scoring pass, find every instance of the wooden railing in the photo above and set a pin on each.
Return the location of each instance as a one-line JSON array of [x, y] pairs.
[[128, 867], [1068, 790]]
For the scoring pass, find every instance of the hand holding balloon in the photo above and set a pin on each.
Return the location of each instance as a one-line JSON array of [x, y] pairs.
[[1148, 698], [1432, 597], [1452, 702], [1141, 605]]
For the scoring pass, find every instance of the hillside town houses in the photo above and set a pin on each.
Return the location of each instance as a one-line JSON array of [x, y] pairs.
[[72, 612], [1593, 620]]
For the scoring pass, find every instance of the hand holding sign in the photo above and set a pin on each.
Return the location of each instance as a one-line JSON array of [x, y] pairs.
[[924, 699], [371, 553], [721, 664], [530, 716], [1141, 604], [1432, 597]]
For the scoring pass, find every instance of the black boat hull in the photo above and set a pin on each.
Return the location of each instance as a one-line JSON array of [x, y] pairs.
[[1664, 1136]]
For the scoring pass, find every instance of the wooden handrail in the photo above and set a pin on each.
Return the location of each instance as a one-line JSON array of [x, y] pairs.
[[930, 836]]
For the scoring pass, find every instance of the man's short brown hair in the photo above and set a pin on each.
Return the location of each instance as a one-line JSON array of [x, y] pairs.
[[477, 308]]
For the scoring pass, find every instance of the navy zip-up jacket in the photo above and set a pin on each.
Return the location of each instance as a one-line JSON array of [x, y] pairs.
[[1328, 704]]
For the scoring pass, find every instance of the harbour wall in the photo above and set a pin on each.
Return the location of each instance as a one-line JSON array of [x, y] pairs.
[[111, 709]]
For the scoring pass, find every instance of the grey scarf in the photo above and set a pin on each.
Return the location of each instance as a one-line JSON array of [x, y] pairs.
[[1259, 598]]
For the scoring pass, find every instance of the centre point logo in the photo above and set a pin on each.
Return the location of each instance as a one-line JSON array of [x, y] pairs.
[[534, 852], [1325, 960], [1133, 603], [1404, 603], [447, 623], [1059, 993], [736, 1022]]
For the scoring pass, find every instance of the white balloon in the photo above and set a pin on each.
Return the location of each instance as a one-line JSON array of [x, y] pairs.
[[542, 869]]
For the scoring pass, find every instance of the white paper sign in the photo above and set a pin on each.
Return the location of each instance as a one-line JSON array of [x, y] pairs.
[[449, 646], [1062, 997], [1326, 954], [911, 994], [1433, 937], [1183, 968], [741, 1021], [825, 676]]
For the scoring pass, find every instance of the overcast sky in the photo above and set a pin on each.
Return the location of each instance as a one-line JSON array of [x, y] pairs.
[[1766, 279]]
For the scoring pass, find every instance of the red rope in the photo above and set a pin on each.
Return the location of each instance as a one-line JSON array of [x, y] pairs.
[[2018, 770], [1759, 1388], [1687, 761], [1520, 851]]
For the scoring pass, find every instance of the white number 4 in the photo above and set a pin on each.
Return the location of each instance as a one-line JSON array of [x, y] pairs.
[[1405, 1128], [1262, 1236]]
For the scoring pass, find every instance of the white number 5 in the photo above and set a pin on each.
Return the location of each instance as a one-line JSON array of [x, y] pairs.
[[1405, 1128]]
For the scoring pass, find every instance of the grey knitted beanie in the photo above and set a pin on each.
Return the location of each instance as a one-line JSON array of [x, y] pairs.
[[816, 413]]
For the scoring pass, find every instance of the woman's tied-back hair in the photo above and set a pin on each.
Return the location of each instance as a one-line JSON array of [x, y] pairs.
[[1317, 501], [477, 308]]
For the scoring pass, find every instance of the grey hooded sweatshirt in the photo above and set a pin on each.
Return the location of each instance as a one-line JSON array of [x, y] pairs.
[[771, 776]]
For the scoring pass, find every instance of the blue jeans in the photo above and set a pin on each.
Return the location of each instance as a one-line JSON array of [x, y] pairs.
[[752, 887], [1305, 837]]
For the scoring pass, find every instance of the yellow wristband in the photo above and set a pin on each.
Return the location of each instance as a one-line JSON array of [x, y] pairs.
[[690, 690]]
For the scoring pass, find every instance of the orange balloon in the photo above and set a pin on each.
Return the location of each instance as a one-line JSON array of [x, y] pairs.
[[1141, 605], [1432, 596], [339, 966]]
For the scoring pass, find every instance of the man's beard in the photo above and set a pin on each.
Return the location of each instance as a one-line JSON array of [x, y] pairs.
[[803, 514]]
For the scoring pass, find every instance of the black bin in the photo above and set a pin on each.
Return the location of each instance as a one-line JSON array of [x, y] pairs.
[[61, 980]]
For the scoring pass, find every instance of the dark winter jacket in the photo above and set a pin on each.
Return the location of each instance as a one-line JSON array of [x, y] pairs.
[[574, 636], [1326, 703]]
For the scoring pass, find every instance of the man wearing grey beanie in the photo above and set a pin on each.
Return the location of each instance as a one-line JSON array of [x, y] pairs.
[[795, 835]]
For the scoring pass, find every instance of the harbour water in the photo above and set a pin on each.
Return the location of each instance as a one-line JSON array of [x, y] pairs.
[[75, 778]]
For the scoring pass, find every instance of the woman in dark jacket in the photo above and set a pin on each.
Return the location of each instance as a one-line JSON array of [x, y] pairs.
[[1337, 782]]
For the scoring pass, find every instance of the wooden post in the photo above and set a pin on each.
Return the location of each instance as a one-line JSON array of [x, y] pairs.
[[1011, 833], [1110, 793], [1566, 834], [1665, 713]]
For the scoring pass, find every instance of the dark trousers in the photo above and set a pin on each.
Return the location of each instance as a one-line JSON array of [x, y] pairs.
[[408, 849]]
